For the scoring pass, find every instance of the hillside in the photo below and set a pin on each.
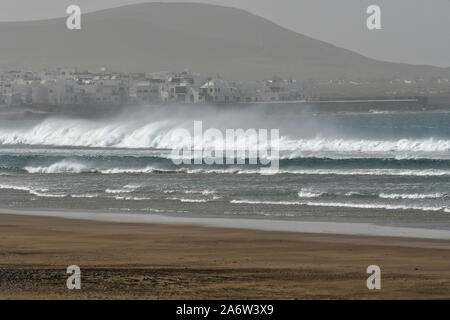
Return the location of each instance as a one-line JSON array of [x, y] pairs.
[[205, 38]]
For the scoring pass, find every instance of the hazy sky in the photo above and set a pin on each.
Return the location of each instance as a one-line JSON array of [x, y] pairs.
[[414, 31]]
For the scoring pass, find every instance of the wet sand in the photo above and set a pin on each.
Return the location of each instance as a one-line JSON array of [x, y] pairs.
[[151, 261]]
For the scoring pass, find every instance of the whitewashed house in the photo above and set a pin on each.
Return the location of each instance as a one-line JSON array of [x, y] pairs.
[[143, 92], [109, 92], [182, 88], [278, 89], [219, 91]]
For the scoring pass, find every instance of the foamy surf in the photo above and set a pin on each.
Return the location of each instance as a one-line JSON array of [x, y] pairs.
[[189, 200], [65, 166], [308, 193], [343, 205], [413, 195], [124, 189], [383, 168], [78, 167], [155, 131]]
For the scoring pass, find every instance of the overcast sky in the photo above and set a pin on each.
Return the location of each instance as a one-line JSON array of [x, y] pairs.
[[414, 31]]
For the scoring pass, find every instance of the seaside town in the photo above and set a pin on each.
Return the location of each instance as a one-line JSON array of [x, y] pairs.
[[101, 91], [72, 87]]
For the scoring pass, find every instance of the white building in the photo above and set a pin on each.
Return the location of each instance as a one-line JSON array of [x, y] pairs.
[[147, 91], [219, 91], [70, 87], [278, 89]]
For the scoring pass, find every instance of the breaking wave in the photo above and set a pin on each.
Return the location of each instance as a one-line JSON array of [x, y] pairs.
[[125, 189], [413, 196], [154, 130], [73, 167], [65, 166], [39, 192], [376, 206], [345, 205], [308, 193], [189, 200], [367, 146]]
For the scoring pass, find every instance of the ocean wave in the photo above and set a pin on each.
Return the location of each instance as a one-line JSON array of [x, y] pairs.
[[79, 167], [189, 200], [283, 203], [367, 146], [264, 171], [64, 166], [350, 172], [87, 195], [371, 172], [309, 193], [40, 192], [130, 198], [49, 195], [75, 166], [147, 169], [412, 196], [146, 132], [357, 194], [202, 192], [344, 205], [13, 187], [125, 189], [376, 206]]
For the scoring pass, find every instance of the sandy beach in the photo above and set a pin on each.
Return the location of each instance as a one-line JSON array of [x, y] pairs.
[[153, 261]]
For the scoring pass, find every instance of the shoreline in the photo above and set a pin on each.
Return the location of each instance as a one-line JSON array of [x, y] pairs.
[[181, 261], [271, 225]]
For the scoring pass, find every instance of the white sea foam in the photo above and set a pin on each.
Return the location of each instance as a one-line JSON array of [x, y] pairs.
[[12, 187], [64, 166], [372, 172], [125, 189], [343, 205], [202, 192], [49, 195], [86, 195], [355, 194], [375, 206], [368, 146], [114, 191], [130, 198], [308, 193], [40, 192], [348, 172], [127, 170], [189, 200], [283, 203], [142, 133], [194, 200], [74, 166], [413, 195]]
